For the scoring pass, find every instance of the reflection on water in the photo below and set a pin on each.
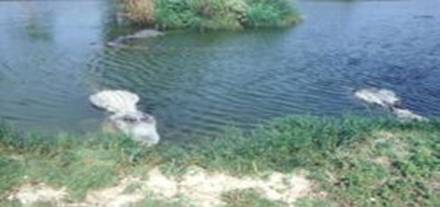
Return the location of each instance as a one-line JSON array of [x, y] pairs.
[[52, 57], [44, 50]]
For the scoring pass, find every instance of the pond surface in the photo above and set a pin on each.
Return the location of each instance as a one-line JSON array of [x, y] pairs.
[[53, 55]]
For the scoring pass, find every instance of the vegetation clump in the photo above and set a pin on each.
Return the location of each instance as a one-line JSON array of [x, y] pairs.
[[139, 11], [211, 14], [354, 161]]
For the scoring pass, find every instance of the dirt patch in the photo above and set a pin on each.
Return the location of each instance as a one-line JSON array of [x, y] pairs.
[[29, 194], [383, 161], [384, 135], [435, 182], [197, 186], [204, 189], [115, 196], [161, 185]]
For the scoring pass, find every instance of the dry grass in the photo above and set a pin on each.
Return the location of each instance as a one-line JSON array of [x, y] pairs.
[[139, 11], [197, 186]]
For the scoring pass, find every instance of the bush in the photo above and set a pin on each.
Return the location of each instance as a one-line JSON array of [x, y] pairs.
[[139, 11], [211, 14]]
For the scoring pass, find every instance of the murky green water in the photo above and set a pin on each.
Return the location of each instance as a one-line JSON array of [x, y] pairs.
[[53, 55]]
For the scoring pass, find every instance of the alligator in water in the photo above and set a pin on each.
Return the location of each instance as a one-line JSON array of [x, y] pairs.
[[389, 100], [125, 117], [143, 34]]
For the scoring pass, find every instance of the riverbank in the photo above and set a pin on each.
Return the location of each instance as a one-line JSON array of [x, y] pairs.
[[211, 14], [314, 161]]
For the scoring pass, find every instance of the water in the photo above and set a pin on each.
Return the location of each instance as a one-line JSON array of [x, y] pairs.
[[53, 55]]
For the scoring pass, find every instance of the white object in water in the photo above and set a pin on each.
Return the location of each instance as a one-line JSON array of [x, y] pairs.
[[387, 99], [381, 97], [143, 34], [146, 33], [125, 117], [405, 114], [115, 101]]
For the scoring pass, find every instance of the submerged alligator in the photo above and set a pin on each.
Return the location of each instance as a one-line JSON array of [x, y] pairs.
[[389, 100], [125, 117], [143, 34]]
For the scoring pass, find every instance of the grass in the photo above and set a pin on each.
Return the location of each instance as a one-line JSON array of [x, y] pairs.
[[245, 198], [149, 202], [211, 14], [357, 161]]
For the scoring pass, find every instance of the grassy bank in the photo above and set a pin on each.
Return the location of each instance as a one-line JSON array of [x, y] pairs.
[[353, 161], [211, 14]]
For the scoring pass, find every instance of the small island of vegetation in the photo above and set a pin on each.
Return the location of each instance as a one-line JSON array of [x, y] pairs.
[[210, 14]]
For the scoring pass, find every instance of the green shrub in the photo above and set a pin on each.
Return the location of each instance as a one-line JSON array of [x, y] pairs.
[[217, 14], [264, 13], [174, 14]]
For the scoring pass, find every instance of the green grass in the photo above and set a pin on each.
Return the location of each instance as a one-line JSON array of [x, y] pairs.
[[151, 202], [245, 198], [216, 14], [269, 13], [357, 161]]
